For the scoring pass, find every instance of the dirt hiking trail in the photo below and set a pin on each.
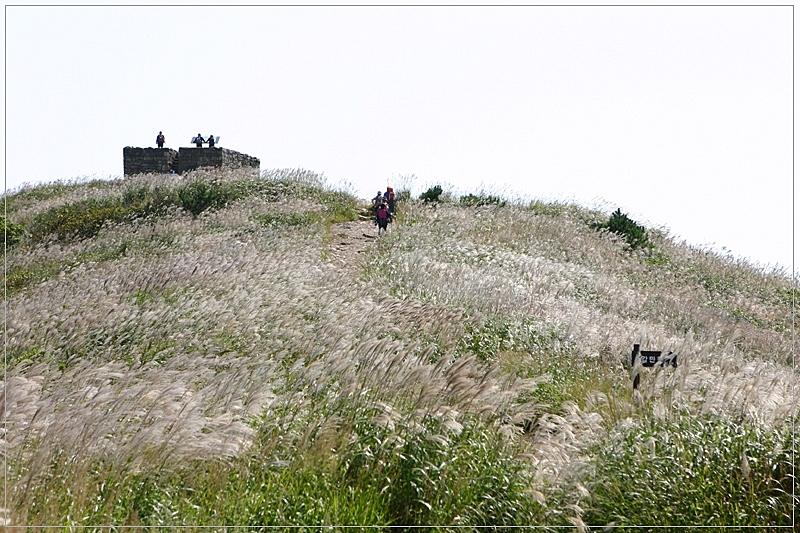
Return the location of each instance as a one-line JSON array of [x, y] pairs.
[[349, 240]]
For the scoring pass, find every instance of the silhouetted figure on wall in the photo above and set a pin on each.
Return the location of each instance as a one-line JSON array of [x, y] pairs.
[[210, 141], [198, 141], [160, 140]]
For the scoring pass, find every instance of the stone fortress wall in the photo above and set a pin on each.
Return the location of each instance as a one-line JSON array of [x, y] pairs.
[[194, 158], [149, 160], [166, 160]]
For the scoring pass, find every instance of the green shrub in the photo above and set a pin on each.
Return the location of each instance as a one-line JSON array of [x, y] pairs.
[[431, 195], [13, 232], [480, 200], [635, 234], [81, 219], [199, 195], [145, 201]]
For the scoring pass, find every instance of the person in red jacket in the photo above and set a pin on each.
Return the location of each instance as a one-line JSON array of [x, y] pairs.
[[383, 218], [389, 196]]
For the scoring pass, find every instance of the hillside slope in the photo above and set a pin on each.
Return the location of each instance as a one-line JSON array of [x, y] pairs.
[[225, 348]]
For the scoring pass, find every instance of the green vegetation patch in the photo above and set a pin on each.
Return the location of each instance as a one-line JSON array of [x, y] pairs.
[[84, 218], [359, 472], [635, 235], [77, 220], [199, 195], [340, 207], [694, 471], [13, 232], [432, 194], [498, 335], [482, 199], [17, 278], [563, 380]]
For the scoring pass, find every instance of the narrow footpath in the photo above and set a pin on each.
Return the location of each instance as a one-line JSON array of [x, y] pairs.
[[349, 240]]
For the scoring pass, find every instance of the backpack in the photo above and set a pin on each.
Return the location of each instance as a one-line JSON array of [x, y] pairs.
[[391, 193]]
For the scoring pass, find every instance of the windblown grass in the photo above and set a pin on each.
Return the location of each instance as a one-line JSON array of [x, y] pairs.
[[186, 367]]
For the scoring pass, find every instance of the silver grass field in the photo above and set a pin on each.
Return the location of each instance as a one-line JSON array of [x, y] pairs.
[[471, 369]]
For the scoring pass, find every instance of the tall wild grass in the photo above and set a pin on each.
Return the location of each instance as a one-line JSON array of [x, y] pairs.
[[195, 359]]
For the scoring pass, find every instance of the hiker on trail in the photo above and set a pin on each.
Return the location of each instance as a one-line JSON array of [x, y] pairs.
[[211, 141], [376, 203], [198, 141], [383, 217], [389, 196], [160, 140]]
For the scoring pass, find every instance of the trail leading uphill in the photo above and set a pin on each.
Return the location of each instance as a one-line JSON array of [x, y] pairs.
[[349, 240]]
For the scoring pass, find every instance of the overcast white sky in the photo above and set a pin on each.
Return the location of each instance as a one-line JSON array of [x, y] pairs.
[[681, 116]]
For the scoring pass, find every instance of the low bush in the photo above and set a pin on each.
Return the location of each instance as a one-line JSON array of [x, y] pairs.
[[145, 201], [13, 232], [634, 234], [431, 195], [480, 200], [197, 196]]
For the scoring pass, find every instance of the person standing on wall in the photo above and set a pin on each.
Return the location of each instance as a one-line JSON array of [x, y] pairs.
[[210, 141], [160, 140], [198, 141]]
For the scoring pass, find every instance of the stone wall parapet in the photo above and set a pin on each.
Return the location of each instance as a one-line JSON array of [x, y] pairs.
[[166, 160], [149, 160], [194, 158]]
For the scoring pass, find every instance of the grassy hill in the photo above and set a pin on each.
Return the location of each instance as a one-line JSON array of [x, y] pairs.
[[213, 350]]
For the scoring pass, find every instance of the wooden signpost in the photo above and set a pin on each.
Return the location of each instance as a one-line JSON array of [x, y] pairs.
[[650, 358]]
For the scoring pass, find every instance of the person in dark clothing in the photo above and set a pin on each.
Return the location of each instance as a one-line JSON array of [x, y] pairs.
[[210, 141], [160, 140], [390, 199], [198, 141], [376, 203], [383, 217]]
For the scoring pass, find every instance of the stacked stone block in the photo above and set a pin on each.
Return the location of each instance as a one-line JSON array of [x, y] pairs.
[[233, 159], [166, 160], [194, 158], [149, 160]]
